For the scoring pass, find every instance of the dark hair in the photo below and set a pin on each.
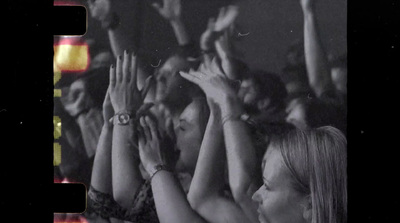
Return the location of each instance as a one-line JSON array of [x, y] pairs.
[[96, 82], [268, 85], [320, 113], [204, 112]]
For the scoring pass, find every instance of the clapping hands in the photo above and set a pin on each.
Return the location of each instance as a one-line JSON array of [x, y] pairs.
[[213, 81], [155, 147], [123, 90]]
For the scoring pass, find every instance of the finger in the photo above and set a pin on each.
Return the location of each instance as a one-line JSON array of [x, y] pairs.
[[144, 109], [146, 129], [177, 5], [207, 62], [141, 138], [107, 99], [119, 69], [190, 77], [215, 67], [112, 76], [224, 37], [79, 101], [219, 48], [229, 15], [202, 68], [199, 75], [231, 12], [125, 67], [156, 6], [134, 68], [211, 23], [147, 85], [153, 128], [170, 128], [221, 14]]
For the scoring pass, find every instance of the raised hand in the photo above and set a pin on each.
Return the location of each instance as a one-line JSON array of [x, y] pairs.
[[208, 36], [170, 10], [211, 79], [307, 4], [227, 15], [215, 27], [211, 66], [223, 45], [226, 53], [124, 93], [100, 9], [149, 144]]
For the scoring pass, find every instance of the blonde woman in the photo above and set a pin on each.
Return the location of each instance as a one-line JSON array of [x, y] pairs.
[[305, 178]]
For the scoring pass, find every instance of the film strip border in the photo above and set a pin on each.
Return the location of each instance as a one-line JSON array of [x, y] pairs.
[[70, 55]]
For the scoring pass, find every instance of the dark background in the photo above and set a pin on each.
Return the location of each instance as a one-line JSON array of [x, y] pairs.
[[271, 25]]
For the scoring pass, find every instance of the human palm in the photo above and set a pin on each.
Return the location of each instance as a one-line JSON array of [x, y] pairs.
[[170, 10]]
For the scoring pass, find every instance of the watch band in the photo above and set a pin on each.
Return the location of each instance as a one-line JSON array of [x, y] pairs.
[[243, 117], [122, 118], [157, 168]]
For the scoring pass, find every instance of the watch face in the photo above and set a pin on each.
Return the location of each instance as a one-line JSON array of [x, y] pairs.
[[123, 119]]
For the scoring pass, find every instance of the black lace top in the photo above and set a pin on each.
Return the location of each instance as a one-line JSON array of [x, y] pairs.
[[143, 208]]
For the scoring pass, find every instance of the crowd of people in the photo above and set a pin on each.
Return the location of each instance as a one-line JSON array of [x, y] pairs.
[[204, 137]]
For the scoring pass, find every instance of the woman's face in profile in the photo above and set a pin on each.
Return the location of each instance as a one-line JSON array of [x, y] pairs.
[[188, 138], [277, 201]]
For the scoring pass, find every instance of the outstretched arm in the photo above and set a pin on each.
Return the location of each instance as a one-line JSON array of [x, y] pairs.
[[217, 37], [226, 52], [205, 194], [209, 173], [240, 154], [169, 197], [126, 100], [101, 173], [316, 60], [171, 10], [122, 20]]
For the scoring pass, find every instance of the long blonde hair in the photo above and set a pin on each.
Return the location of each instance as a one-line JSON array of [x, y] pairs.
[[317, 162]]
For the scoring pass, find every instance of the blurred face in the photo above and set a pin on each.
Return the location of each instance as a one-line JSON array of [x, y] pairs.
[[169, 82], [339, 78], [296, 114], [248, 92], [277, 201], [189, 136], [293, 87]]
